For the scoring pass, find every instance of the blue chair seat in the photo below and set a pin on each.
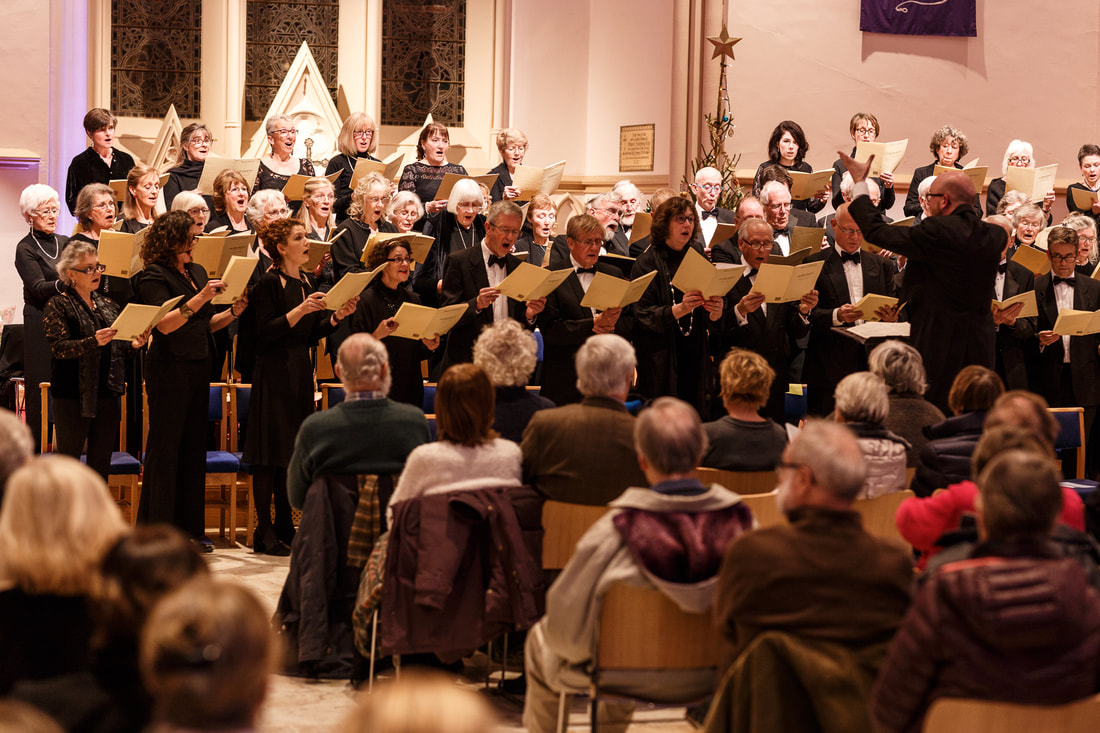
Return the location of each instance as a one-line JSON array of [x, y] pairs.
[[122, 464], [220, 461], [244, 467]]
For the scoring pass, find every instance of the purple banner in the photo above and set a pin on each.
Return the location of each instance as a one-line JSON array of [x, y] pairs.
[[919, 17]]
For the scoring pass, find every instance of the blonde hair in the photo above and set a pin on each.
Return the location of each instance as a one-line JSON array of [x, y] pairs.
[[370, 182], [745, 377], [345, 141], [312, 186], [422, 702], [510, 135], [56, 523]]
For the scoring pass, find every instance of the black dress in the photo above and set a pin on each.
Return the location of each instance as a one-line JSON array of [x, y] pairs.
[[345, 165], [423, 180], [267, 178], [347, 249], [811, 205], [449, 238], [36, 258], [132, 226], [376, 304], [184, 177], [504, 179], [88, 167], [222, 220], [177, 383]]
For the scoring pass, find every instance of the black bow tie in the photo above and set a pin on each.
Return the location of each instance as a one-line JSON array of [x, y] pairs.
[[1002, 268], [495, 261], [589, 270], [752, 272], [1067, 280], [712, 212], [849, 257]]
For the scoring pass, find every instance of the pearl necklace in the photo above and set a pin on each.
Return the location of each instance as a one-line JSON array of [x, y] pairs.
[[56, 247]]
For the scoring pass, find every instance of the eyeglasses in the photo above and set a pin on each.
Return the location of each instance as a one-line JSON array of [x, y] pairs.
[[406, 214], [931, 195], [238, 189], [506, 232], [285, 132], [323, 197], [1063, 258], [277, 213], [105, 206], [53, 211], [363, 133], [400, 260], [1019, 159], [763, 244], [379, 199], [197, 210], [610, 212], [590, 242], [515, 148], [684, 219], [780, 207], [90, 270], [709, 187], [846, 231], [199, 141], [866, 131]]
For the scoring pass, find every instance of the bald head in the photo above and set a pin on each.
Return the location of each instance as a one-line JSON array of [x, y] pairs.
[[848, 236], [958, 187]]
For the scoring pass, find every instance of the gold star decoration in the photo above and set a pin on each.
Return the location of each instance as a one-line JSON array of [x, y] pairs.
[[723, 44]]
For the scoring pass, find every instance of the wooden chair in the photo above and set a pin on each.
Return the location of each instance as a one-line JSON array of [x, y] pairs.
[[642, 629], [1071, 431], [878, 514], [562, 525], [331, 395], [124, 480], [764, 508], [981, 716], [742, 482]]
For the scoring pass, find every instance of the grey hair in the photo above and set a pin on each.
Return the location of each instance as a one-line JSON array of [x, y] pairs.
[[833, 455], [85, 201], [1002, 221], [752, 221], [34, 196], [670, 435], [767, 189], [607, 197], [272, 123], [1080, 222], [861, 397], [364, 364], [900, 366], [72, 253], [399, 201], [506, 352], [185, 200], [259, 201], [846, 186], [1028, 209], [1016, 147], [16, 445], [1012, 198], [605, 362], [625, 185], [503, 208], [465, 191], [923, 186]]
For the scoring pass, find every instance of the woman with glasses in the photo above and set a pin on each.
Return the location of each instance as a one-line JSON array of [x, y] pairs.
[[95, 211], [404, 211], [177, 375], [423, 176], [291, 317], [459, 226], [280, 164], [358, 138], [864, 127], [87, 375], [230, 203], [378, 305], [195, 141], [368, 202], [1018, 154], [1086, 241], [788, 147], [36, 257], [948, 144], [512, 145], [139, 208], [673, 330]]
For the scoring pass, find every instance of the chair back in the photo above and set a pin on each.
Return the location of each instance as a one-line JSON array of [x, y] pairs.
[[240, 397], [331, 395], [562, 525], [957, 715], [764, 508], [878, 514], [742, 482], [217, 413], [641, 628], [1071, 428], [429, 398]]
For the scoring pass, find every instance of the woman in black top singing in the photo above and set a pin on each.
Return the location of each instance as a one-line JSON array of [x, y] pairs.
[[87, 376], [177, 375], [291, 317], [195, 141], [358, 138]]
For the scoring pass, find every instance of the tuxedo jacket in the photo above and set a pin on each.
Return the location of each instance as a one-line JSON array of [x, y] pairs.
[[831, 356], [559, 258], [565, 325], [1014, 357], [464, 276], [1083, 358], [729, 250], [725, 216]]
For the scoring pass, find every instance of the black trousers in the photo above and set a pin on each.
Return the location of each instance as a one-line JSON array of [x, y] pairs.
[[36, 368], [174, 482], [270, 482], [100, 432]]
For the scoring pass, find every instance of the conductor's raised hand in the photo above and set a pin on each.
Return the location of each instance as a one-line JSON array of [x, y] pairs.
[[858, 170]]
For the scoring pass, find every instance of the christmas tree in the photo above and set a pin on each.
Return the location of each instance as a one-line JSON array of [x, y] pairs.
[[720, 127]]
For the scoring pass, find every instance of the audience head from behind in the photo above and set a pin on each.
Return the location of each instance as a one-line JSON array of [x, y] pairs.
[[669, 440], [822, 466], [1023, 409], [861, 397], [605, 367], [363, 364], [746, 379], [207, 652], [57, 521], [1019, 497], [464, 402], [16, 446], [975, 389], [421, 701], [1003, 438], [507, 353], [900, 366], [17, 716]]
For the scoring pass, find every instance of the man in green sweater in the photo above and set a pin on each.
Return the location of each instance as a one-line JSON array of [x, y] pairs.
[[367, 433]]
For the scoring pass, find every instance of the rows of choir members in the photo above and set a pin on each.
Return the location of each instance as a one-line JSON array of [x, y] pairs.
[[681, 335]]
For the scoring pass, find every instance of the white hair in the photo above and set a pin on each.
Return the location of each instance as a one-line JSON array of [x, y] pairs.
[[767, 189], [923, 186], [259, 201], [466, 191], [605, 362], [34, 196], [1018, 147], [833, 455], [862, 397], [186, 200], [364, 364]]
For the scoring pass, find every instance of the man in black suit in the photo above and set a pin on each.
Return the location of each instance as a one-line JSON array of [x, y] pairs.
[[776, 199], [771, 329], [632, 200], [472, 276], [848, 274], [1069, 366], [1014, 360], [565, 323], [951, 264], [727, 250], [707, 188], [606, 208]]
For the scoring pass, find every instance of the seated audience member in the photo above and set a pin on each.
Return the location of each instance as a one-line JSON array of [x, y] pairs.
[[16, 446], [902, 369], [469, 454], [821, 577], [207, 655], [743, 440], [421, 701], [1014, 622], [56, 523], [584, 453], [1018, 420], [641, 541], [506, 352], [945, 458], [367, 433], [862, 405], [20, 717]]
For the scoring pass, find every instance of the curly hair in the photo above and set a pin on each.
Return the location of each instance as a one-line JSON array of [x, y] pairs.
[[664, 214], [275, 233], [373, 181], [942, 134], [379, 252], [507, 352], [167, 235]]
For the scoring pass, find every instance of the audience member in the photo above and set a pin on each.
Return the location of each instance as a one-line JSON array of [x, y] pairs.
[[670, 536], [16, 446], [902, 369], [422, 702], [506, 352], [743, 440], [584, 453], [862, 405]]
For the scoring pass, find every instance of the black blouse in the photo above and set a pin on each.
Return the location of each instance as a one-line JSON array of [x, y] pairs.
[[88, 167], [184, 177], [36, 258], [118, 289], [346, 167], [348, 247], [423, 179], [193, 340]]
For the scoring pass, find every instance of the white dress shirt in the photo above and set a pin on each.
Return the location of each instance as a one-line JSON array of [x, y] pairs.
[[1063, 296], [706, 226], [496, 277]]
